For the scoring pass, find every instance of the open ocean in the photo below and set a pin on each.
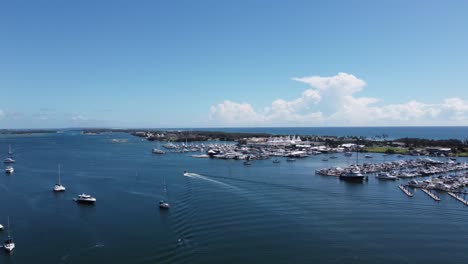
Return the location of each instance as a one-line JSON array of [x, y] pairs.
[[263, 213]]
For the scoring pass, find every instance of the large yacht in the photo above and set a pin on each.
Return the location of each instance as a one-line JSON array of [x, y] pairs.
[[85, 198], [354, 175]]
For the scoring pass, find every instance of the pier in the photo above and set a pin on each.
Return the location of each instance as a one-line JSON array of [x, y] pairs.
[[405, 190], [463, 201], [431, 194]]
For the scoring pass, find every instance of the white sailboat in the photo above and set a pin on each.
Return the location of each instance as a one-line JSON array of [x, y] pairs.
[[58, 187], [163, 204], [9, 244]]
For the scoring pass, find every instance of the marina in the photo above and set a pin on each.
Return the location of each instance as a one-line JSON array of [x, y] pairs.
[[215, 200]]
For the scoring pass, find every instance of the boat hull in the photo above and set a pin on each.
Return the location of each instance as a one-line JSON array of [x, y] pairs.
[[353, 178]]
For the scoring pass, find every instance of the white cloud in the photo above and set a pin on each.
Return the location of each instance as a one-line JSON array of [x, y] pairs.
[[79, 118], [235, 113], [333, 101]]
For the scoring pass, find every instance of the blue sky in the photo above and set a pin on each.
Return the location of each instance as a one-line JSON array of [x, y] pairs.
[[233, 63]]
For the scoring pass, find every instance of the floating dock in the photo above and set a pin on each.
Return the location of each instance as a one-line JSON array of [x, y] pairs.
[[431, 194], [463, 201], [406, 191]]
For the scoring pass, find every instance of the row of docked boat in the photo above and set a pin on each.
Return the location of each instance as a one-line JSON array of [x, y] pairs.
[[452, 183], [401, 168]]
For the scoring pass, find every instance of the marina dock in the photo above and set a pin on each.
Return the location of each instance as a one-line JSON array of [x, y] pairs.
[[463, 201], [405, 190], [431, 194]]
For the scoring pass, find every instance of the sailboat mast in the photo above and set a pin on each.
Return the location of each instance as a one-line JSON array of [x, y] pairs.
[[9, 235], [59, 173]]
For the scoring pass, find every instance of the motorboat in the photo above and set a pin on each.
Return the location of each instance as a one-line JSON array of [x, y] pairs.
[[58, 187], [85, 198], [158, 151], [368, 156], [276, 161], [291, 159], [8, 160], [386, 176], [1, 227], [9, 169], [163, 205]]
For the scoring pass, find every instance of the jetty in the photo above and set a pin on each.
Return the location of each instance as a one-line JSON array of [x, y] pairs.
[[463, 201], [405, 190], [431, 194]]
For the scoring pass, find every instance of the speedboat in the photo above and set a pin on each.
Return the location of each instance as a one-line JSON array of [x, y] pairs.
[[9, 169], [8, 160], [386, 176], [163, 205], [85, 198]]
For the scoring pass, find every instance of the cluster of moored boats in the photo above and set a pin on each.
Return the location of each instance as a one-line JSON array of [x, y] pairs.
[[9, 244], [393, 170]]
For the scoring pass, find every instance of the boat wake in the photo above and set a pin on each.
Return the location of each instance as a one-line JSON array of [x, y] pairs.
[[81, 251], [198, 176]]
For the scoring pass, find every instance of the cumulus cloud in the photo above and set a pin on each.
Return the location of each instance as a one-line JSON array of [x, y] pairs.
[[79, 118], [334, 101]]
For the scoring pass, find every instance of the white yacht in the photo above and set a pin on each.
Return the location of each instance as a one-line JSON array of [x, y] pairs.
[[163, 205], [158, 151], [386, 176], [85, 198], [1, 227], [58, 187], [9, 169], [9, 244], [8, 160]]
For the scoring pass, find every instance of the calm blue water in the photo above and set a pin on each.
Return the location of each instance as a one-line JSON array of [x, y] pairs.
[[264, 213], [369, 132]]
